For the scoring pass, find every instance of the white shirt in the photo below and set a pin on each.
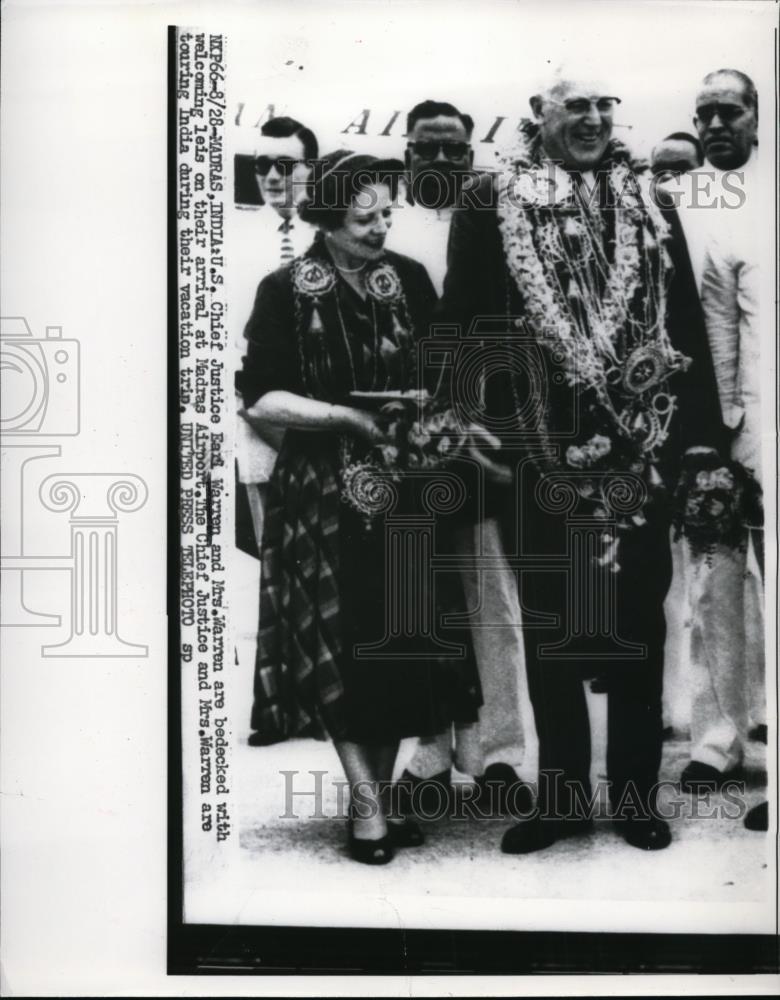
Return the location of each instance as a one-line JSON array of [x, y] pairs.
[[711, 202], [255, 251], [422, 234], [723, 245]]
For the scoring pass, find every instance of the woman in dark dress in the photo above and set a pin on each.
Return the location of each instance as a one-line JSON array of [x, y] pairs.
[[345, 317]]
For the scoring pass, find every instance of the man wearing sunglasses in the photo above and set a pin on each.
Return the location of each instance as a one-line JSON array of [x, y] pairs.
[[439, 159], [727, 118], [265, 238], [283, 159]]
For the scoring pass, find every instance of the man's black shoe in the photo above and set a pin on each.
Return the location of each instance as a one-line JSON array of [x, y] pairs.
[[758, 733], [698, 777], [758, 817], [501, 792], [536, 834], [426, 798], [646, 833]]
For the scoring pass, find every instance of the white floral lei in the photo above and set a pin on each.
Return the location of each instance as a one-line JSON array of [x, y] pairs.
[[524, 186]]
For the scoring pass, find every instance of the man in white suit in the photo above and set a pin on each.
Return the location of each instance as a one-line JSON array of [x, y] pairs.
[[726, 598]]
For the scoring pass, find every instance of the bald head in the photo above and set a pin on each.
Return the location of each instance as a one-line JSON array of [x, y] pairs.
[[676, 154]]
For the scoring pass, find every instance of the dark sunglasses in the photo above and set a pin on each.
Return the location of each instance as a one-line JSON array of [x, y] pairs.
[[284, 165], [726, 112], [428, 149]]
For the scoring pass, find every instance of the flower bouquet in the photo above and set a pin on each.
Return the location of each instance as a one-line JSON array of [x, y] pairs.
[[611, 474], [604, 464], [422, 436], [715, 501]]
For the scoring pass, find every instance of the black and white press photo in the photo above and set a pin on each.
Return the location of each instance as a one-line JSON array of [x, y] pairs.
[[389, 421], [475, 410]]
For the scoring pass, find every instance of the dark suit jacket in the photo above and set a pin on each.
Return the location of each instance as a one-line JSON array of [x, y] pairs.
[[479, 288]]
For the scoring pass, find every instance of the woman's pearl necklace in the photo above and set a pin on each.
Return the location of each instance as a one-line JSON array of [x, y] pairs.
[[350, 270]]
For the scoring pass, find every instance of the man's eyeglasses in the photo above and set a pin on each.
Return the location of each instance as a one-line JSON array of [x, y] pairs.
[[428, 149], [581, 105], [726, 112], [284, 165]]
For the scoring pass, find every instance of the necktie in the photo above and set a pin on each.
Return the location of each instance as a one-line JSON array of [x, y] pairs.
[[287, 251]]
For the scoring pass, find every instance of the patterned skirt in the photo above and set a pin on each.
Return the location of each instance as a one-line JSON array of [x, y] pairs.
[[330, 657]]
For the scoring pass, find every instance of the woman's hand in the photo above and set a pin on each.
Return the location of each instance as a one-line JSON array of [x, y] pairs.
[[480, 439], [368, 426]]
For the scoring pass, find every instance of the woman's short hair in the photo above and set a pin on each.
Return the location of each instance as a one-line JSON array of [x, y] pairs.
[[337, 179]]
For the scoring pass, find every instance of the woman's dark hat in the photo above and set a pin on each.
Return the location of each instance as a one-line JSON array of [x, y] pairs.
[[336, 176]]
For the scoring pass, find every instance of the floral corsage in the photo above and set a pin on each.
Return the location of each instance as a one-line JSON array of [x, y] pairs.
[[715, 501]]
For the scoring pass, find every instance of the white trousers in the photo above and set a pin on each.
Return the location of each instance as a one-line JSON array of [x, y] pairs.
[[727, 654], [505, 729]]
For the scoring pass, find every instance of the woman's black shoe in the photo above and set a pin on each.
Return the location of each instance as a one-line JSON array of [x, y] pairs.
[[406, 834], [428, 798], [370, 852], [758, 817]]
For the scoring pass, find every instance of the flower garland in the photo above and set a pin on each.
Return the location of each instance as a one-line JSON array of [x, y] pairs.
[[595, 298], [588, 325]]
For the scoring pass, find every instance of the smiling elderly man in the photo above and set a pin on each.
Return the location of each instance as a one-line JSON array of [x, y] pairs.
[[598, 378]]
